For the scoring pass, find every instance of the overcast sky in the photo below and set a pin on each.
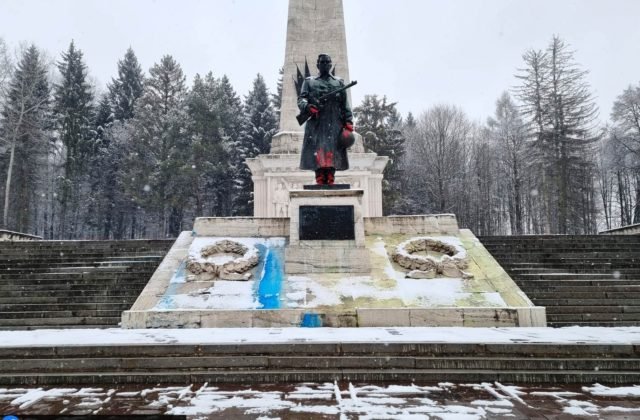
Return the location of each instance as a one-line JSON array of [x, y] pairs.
[[417, 52]]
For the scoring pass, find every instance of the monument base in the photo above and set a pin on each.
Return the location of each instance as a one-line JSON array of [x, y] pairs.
[[316, 257], [326, 234], [338, 318], [275, 175], [385, 297]]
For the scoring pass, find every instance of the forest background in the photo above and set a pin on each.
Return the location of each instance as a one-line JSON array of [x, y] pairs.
[[150, 153]]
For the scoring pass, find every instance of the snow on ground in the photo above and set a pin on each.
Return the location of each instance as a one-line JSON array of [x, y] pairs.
[[346, 400], [624, 391], [222, 295], [117, 336]]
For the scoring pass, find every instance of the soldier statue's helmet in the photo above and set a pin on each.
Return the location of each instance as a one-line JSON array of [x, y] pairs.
[[346, 138], [327, 58]]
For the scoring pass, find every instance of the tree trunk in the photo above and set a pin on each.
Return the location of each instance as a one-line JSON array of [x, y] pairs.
[[7, 189], [518, 199], [621, 199], [175, 221], [134, 222], [636, 210]]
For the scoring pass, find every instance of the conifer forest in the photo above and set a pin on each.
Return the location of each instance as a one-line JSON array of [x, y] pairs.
[[145, 155]]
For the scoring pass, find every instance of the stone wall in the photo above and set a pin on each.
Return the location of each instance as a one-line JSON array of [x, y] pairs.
[[7, 235], [416, 225], [361, 317], [241, 227], [444, 224], [624, 230]]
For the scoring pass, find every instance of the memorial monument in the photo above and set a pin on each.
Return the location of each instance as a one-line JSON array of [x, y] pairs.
[[318, 254], [313, 28]]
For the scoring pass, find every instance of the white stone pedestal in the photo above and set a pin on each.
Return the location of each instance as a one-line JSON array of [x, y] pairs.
[[326, 256], [276, 175]]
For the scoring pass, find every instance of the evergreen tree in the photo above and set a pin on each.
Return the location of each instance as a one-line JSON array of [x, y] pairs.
[[571, 119], [277, 97], [560, 111], [533, 96], [211, 182], [104, 117], [232, 123], [380, 124], [74, 115], [23, 138], [100, 176], [127, 88], [154, 170], [117, 105], [117, 207], [231, 111], [261, 120], [259, 127]]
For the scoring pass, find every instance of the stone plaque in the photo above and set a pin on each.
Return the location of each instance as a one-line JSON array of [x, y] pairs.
[[333, 223], [327, 187]]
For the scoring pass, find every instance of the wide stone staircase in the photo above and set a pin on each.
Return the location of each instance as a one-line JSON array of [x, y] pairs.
[[155, 363], [587, 280], [47, 284], [73, 284]]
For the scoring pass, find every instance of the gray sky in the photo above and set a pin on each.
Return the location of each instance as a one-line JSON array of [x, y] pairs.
[[417, 52]]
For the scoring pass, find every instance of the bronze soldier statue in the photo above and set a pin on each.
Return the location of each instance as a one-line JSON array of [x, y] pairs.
[[329, 127]]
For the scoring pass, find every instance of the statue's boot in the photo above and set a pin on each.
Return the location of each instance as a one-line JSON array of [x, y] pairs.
[[320, 176], [330, 176]]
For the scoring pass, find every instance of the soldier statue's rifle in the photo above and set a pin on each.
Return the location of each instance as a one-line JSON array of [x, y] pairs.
[[304, 116]]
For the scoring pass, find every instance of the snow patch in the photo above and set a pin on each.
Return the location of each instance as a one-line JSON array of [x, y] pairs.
[[622, 391]]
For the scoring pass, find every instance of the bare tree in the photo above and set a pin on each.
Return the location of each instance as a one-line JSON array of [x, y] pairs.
[[24, 117], [507, 129], [436, 154], [6, 67], [605, 174], [626, 117]]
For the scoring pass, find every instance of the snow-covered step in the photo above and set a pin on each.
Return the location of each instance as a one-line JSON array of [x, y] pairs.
[[581, 280], [107, 275], [534, 355]]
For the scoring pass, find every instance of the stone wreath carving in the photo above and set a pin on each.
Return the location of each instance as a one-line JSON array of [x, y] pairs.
[[235, 269], [425, 267]]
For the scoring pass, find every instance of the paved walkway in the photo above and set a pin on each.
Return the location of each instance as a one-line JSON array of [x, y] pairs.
[[331, 400]]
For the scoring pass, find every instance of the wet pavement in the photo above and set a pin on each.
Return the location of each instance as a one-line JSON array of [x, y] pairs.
[[330, 401]]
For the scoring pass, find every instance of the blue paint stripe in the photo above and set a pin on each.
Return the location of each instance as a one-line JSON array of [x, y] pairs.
[[271, 281], [179, 277], [311, 320]]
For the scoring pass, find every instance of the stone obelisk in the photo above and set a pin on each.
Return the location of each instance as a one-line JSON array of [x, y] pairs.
[[314, 27]]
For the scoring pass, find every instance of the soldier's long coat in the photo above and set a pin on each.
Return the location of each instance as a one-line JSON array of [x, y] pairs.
[[320, 146]]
